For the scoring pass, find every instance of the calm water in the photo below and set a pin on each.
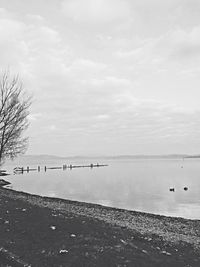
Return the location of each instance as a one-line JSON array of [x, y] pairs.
[[141, 185]]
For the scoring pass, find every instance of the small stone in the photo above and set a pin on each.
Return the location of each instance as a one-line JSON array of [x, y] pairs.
[[63, 251], [166, 253], [53, 227], [23, 210], [124, 242], [6, 222], [144, 251], [73, 235]]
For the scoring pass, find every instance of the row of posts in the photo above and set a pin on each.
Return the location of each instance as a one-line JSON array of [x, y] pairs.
[[65, 167], [45, 167]]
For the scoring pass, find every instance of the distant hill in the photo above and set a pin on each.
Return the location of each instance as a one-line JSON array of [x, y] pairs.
[[41, 156], [52, 157], [193, 156]]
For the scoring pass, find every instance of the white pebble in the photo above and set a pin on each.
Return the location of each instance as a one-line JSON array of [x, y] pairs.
[[144, 251], [73, 235], [167, 253], [62, 251]]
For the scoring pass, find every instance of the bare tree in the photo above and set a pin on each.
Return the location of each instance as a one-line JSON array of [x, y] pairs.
[[14, 109]]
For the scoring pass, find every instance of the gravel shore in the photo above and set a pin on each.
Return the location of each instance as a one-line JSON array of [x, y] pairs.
[[43, 231]]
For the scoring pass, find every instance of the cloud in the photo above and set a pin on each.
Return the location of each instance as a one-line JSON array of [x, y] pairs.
[[35, 116], [35, 51], [178, 48], [96, 11], [110, 83], [186, 44], [35, 18], [25, 45], [98, 90], [13, 49], [85, 67]]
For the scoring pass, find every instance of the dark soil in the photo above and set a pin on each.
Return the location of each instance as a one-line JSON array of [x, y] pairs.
[[36, 231]]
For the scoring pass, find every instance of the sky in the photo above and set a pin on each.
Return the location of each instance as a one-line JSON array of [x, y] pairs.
[[108, 77]]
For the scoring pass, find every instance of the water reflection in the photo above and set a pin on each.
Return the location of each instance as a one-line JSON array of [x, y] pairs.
[[137, 185]]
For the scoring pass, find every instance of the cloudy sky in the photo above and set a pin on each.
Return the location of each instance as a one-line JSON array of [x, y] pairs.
[[108, 77]]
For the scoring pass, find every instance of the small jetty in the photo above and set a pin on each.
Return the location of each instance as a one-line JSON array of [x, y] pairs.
[[19, 170]]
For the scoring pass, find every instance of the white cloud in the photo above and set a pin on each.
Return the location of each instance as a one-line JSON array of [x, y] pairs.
[[86, 65], [35, 116], [13, 49], [177, 46], [26, 47], [35, 18], [92, 87], [186, 44], [110, 82], [96, 11]]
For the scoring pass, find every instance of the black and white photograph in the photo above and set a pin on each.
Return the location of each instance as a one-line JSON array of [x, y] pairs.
[[99, 133]]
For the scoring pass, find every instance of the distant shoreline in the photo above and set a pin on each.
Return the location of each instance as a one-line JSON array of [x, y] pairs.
[[110, 157]]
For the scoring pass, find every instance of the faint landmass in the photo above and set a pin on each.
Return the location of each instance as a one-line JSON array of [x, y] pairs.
[[193, 156], [44, 157]]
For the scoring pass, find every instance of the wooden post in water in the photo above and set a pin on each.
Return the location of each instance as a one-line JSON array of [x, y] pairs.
[[64, 167], [27, 169], [38, 168], [22, 170], [45, 168]]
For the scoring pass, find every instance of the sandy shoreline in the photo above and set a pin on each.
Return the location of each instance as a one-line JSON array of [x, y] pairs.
[[173, 229], [177, 239]]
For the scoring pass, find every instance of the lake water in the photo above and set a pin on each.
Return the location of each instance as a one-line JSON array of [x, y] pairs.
[[141, 185]]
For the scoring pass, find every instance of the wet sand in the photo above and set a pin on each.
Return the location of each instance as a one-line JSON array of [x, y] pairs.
[[42, 231]]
